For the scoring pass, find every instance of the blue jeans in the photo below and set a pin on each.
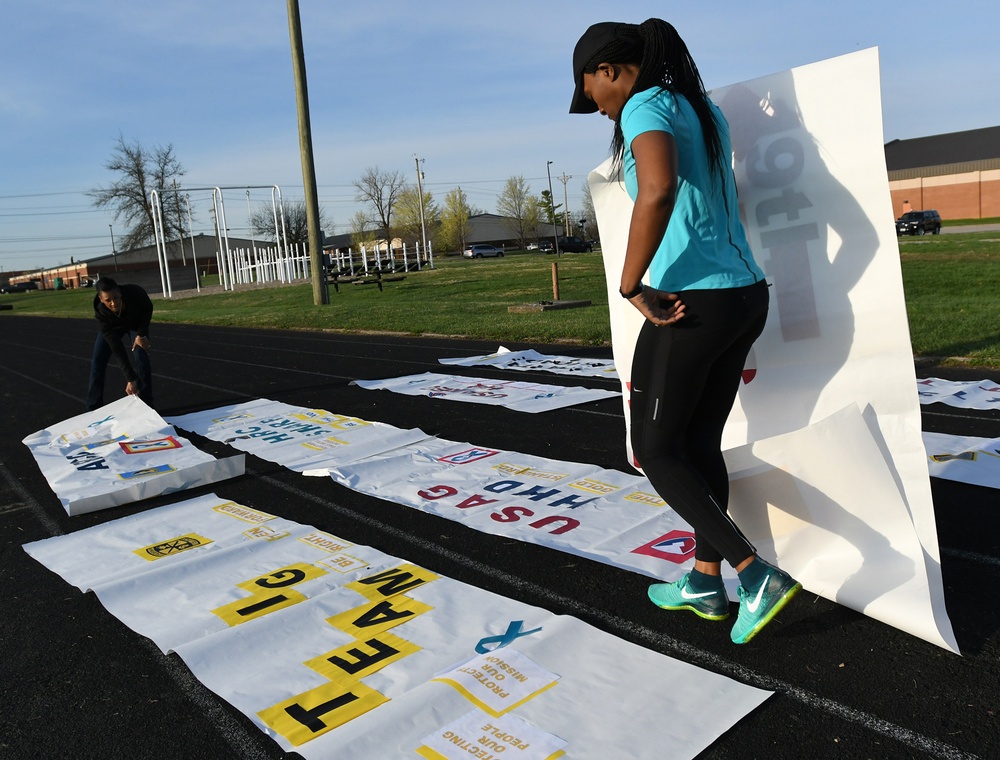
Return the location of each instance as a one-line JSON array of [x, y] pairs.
[[99, 363]]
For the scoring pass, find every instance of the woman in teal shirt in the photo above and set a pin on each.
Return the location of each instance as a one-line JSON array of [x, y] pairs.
[[706, 307]]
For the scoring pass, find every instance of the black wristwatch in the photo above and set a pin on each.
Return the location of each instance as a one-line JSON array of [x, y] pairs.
[[632, 293]]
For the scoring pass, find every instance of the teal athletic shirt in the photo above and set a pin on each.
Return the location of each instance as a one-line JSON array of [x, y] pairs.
[[705, 245]]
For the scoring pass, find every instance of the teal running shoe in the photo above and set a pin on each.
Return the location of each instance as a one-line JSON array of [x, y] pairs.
[[758, 606], [711, 605]]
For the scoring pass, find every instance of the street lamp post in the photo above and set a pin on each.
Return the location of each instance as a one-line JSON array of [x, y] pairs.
[[114, 253], [552, 207]]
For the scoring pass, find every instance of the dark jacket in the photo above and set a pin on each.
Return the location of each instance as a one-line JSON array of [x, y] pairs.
[[136, 312]]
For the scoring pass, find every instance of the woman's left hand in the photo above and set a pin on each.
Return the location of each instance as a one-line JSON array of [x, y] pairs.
[[658, 306]]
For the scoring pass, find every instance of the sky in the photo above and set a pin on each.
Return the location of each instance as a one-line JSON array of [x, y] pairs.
[[480, 92]]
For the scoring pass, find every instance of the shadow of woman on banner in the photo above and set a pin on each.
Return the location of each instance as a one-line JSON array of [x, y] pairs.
[[814, 242]]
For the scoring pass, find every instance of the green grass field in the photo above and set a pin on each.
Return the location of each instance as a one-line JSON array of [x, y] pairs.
[[951, 284]]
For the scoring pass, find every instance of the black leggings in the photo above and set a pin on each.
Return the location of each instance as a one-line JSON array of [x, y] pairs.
[[684, 382]]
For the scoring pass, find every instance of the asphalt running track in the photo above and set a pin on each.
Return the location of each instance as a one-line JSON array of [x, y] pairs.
[[77, 684]]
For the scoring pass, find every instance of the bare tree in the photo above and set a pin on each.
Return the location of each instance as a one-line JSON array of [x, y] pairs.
[[514, 204], [380, 191], [296, 223], [138, 172]]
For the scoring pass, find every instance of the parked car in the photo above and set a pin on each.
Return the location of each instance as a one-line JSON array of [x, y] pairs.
[[531, 247], [918, 223], [478, 251], [545, 246], [573, 244], [19, 287]]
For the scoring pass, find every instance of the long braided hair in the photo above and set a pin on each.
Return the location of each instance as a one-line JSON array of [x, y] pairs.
[[664, 61]]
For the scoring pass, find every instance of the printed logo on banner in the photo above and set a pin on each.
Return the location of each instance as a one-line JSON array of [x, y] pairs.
[[153, 444], [325, 445], [467, 456], [593, 486], [266, 533], [246, 514], [642, 497], [326, 542], [171, 546], [146, 472], [677, 546], [343, 563], [513, 633], [509, 468]]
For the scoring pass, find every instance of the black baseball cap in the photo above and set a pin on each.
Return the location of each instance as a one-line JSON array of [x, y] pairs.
[[590, 44]]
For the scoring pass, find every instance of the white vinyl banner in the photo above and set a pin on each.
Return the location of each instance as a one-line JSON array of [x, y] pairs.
[[121, 453], [337, 650], [810, 168], [519, 396], [531, 360], [963, 394], [299, 438], [964, 458], [617, 518]]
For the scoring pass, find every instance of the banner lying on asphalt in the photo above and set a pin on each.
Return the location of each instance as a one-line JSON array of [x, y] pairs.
[[338, 650], [617, 518], [294, 436], [519, 396], [812, 183], [842, 530], [964, 458], [964, 394], [532, 360], [120, 453]]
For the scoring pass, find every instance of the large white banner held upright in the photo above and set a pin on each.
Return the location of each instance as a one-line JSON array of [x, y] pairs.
[[810, 168]]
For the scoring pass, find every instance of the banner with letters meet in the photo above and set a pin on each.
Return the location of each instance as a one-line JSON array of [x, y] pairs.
[[335, 649], [810, 169]]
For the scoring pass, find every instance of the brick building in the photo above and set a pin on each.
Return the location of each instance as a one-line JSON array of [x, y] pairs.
[[958, 174]]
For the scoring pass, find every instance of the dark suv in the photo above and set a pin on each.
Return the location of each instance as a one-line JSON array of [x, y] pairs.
[[574, 244], [918, 223]]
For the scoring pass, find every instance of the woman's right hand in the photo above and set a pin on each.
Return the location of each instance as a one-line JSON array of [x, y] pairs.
[[658, 306]]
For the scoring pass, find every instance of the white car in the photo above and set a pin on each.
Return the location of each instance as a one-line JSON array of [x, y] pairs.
[[479, 251]]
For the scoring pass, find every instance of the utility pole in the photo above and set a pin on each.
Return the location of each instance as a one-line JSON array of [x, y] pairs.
[[321, 293], [566, 178]]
